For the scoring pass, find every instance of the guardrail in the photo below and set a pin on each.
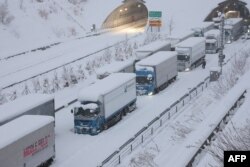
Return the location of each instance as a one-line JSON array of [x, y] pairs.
[[117, 156], [218, 128]]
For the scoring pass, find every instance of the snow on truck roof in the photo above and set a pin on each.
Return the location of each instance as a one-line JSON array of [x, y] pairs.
[[21, 105], [101, 87], [212, 32], [232, 21], [190, 42], [151, 47], [157, 58], [22, 126], [114, 67]]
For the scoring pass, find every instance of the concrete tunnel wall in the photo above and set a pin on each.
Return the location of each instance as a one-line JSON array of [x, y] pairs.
[[131, 12]]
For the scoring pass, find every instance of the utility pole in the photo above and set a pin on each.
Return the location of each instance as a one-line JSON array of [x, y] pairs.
[[221, 55]]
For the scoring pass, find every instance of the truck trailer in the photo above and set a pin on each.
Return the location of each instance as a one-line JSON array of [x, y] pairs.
[[32, 104], [190, 52], [154, 73], [28, 141], [152, 48], [122, 67], [103, 103], [213, 41], [233, 29]]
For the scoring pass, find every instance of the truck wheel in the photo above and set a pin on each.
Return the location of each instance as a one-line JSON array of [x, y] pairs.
[[105, 126], [94, 131]]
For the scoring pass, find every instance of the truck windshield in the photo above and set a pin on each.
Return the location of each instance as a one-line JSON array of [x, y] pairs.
[[87, 111], [183, 57], [210, 46], [144, 80]]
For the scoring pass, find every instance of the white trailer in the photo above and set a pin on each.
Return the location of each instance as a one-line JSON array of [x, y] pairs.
[[213, 41], [122, 66], [202, 28], [28, 141], [103, 103], [32, 104], [152, 48], [233, 29], [154, 73], [190, 53]]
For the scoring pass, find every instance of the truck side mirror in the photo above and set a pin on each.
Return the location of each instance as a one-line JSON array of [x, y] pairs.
[[72, 111]]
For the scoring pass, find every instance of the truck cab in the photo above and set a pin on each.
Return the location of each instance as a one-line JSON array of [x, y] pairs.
[[145, 81], [88, 118], [183, 58]]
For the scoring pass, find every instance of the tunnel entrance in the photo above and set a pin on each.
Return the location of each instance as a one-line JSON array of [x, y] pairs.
[[231, 9], [132, 13]]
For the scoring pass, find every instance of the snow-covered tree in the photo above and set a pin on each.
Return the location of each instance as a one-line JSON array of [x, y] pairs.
[[81, 74], [46, 86], [13, 95], [3, 98], [5, 17], [107, 55], [36, 85], [72, 75], [66, 77], [55, 83], [26, 90], [89, 67]]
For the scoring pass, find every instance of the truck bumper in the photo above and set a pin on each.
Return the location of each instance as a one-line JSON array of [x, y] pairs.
[[82, 130]]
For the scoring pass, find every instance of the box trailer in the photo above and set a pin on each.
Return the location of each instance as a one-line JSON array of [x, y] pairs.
[[28, 141], [154, 73], [233, 28], [32, 104], [124, 67], [152, 48], [103, 103], [213, 41], [191, 52]]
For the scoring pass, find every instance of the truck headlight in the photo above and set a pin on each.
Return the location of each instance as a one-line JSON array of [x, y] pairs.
[[187, 69], [150, 94]]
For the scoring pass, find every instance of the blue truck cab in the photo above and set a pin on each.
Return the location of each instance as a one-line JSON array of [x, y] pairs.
[[145, 81]]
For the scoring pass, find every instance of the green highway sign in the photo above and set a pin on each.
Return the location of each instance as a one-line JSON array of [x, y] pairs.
[[155, 14]]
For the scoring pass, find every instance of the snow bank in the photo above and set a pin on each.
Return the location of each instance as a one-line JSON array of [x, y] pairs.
[[195, 140]]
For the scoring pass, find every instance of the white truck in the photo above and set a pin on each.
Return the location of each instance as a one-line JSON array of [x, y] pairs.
[[122, 66], [32, 104], [213, 41], [152, 48], [233, 28], [202, 28], [154, 73], [190, 52], [104, 103], [28, 141]]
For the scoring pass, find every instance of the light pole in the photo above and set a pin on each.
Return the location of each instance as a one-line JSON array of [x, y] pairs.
[[221, 55]]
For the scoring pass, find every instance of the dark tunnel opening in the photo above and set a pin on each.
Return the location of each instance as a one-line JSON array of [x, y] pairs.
[[132, 13]]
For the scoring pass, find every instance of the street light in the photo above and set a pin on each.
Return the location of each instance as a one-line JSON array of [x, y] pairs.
[[221, 55]]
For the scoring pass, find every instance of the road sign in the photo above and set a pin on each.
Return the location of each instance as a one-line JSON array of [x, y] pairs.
[[155, 14], [155, 23]]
